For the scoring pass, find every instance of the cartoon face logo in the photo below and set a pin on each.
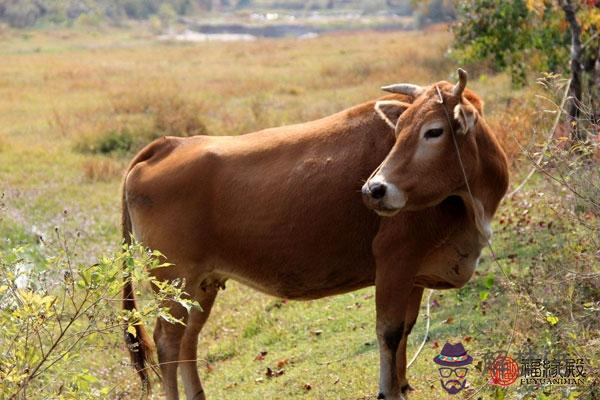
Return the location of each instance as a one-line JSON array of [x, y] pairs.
[[453, 361]]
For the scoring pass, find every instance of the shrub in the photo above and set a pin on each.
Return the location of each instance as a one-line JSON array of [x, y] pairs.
[[20, 14], [113, 141], [140, 118], [555, 250], [55, 313], [174, 115]]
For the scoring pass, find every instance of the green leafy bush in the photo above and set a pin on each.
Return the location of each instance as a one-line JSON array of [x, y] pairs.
[[113, 141], [510, 36], [521, 36]]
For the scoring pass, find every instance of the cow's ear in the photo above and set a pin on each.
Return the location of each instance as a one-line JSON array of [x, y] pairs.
[[466, 115], [390, 111], [474, 100]]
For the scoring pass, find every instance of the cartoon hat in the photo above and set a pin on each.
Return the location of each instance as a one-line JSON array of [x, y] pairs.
[[453, 355]]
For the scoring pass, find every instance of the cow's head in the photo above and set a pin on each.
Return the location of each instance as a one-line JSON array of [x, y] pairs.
[[423, 169]]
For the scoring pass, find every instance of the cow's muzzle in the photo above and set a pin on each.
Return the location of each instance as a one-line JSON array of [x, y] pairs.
[[383, 197]]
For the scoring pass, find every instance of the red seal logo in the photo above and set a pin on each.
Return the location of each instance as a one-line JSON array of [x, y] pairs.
[[504, 371]]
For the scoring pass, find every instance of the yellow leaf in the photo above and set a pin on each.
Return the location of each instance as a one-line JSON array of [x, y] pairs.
[[537, 6], [131, 329], [552, 319]]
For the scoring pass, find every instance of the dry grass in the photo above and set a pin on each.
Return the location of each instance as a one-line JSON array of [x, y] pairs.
[[214, 87], [101, 169], [172, 113], [4, 146], [513, 125], [135, 118], [132, 95]]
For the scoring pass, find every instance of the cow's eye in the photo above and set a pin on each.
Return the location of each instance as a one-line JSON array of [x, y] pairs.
[[433, 133]]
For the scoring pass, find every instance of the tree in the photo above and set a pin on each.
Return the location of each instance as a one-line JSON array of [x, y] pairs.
[[21, 13], [432, 11], [166, 14], [535, 35]]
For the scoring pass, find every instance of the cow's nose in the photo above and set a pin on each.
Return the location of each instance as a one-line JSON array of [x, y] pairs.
[[377, 190]]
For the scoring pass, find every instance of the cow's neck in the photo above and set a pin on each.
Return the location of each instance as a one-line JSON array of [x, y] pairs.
[[489, 183]]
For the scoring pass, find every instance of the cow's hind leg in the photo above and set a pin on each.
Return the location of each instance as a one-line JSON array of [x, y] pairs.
[[167, 337], [189, 344]]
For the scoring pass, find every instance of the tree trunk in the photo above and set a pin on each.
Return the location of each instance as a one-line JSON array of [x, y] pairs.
[[595, 92], [576, 67]]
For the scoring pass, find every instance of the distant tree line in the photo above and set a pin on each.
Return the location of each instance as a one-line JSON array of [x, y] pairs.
[[27, 13]]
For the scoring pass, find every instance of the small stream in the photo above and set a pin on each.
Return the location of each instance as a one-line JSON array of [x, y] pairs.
[[272, 25]]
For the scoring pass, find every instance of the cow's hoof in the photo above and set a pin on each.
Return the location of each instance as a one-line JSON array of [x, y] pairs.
[[398, 397], [406, 388]]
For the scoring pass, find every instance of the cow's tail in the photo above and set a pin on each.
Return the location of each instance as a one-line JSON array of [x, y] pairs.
[[140, 345]]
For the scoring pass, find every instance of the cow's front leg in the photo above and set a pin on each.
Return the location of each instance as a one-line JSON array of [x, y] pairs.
[[410, 318], [393, 294], [388, 381]]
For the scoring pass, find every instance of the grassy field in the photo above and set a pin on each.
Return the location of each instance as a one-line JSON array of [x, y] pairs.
[[74, 107]]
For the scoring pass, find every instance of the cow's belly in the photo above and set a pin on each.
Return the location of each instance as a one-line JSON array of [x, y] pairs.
[[448, 267], [301, 282], [300, 266]]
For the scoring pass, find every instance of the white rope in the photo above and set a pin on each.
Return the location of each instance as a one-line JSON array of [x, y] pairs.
[[426, 336]]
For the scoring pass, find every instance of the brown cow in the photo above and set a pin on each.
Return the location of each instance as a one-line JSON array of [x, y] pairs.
[[280, 210]]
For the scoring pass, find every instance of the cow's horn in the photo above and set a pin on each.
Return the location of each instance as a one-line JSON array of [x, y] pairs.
[[462, 82], [404, 88]]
